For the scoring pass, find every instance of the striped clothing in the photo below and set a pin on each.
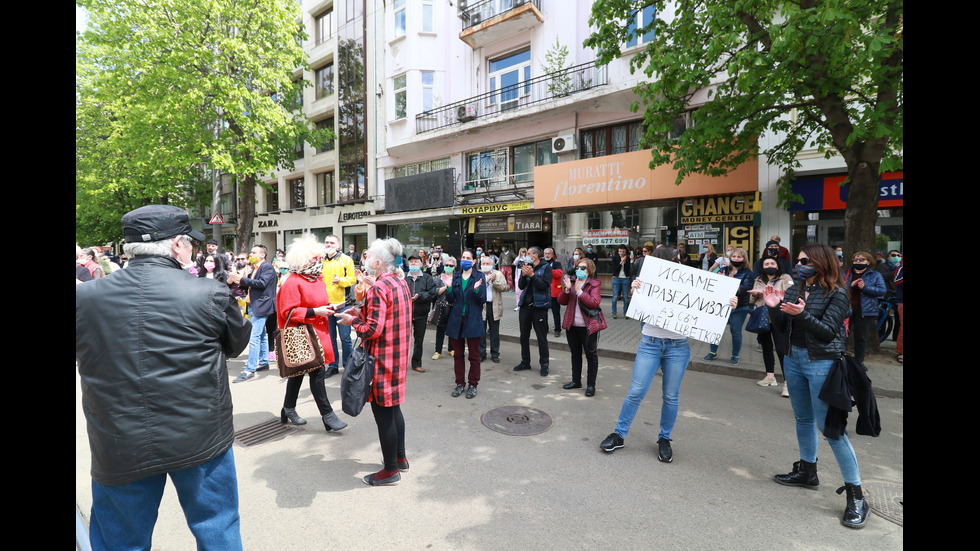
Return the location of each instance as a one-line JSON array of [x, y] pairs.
[[386, 324]]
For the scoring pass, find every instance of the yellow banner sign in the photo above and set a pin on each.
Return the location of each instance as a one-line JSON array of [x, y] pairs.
[[493, 209]]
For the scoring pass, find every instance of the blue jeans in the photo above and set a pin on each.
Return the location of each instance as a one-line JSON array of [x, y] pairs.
[[258, 344], [345, 343], [735, 323], [671, 355], [804, 379], [123, 516], [621, 286]]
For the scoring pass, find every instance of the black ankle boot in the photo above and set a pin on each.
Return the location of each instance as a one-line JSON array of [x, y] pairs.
[[857, 511], [289, 415], [804, 475]]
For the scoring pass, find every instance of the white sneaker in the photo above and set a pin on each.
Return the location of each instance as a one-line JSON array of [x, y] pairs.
[[785, 391], [768, 381]]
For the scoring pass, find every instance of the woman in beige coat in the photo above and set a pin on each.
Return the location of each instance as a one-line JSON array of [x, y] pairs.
[[496, 286]]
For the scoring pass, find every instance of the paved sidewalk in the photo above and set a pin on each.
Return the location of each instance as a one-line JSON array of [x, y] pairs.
[[621, 338]]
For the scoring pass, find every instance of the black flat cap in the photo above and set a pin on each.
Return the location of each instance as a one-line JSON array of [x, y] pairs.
[[156, 222]]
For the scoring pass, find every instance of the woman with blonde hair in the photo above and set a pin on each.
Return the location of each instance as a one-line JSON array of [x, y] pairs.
[[737, 268]]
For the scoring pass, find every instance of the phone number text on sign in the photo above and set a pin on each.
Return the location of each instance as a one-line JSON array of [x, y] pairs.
[[605, 240], [694, 303]]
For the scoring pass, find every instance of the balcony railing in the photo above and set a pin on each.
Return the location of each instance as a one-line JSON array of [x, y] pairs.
[[499, 182], [475, 13], [515, 96]]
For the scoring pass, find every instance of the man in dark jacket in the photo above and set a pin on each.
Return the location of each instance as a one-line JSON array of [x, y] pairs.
[[535, 284], [424, 290], [261, 285], [151, 344]]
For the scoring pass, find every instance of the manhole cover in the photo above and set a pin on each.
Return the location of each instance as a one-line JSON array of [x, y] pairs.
[[885, 499], [517, 420], [268, 431]]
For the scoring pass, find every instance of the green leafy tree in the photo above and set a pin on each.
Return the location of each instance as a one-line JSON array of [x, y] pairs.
[[780, 77], [168, 91]]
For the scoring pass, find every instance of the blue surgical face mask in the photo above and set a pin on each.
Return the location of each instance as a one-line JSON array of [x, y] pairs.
[[805, 271], [466, 264], [581, 274], [414, 269]]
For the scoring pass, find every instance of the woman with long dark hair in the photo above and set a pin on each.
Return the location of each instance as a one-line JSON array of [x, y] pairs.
[[771, 275], [811, 315]]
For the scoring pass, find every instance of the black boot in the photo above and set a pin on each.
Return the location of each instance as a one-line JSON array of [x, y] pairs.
[[289, 415], [804, 475], [332, 422], [857, 511]]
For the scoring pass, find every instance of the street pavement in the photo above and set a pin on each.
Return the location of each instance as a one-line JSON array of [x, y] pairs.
[[472, 488]]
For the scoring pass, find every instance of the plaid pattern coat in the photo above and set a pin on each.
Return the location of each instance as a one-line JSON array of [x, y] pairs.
[[385, 324]]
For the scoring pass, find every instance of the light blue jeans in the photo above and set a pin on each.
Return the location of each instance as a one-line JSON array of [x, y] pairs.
[[258, 344], [671, 355], [346, 346], [804, 379], [621, 286], [123, 516]]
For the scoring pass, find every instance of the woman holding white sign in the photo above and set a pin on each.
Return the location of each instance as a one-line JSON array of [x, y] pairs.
[[737, 268], [811, 315], [659, 349]]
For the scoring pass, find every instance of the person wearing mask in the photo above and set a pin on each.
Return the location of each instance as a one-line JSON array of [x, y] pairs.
[[659, 349], [723, 261], [424, 290], [622, 270], [212, 248], [261, 288], [898, 283], [212, 267], [446, 277], [535, 284], [467, 297], [707, 257], [582, 322], [772, 251], [507, 258], [88, 260], [682, 252], [384, 324], [556, 273], [770, 275], [493, 312], [302, 298], [811, 315], [736, 320], [338, 275], [866, 287], [519, 263], [591, 254]]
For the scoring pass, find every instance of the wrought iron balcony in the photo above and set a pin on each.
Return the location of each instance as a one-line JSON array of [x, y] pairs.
[[516, 96]]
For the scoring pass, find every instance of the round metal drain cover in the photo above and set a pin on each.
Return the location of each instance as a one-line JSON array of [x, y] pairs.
[[517, 420], [886, 499]]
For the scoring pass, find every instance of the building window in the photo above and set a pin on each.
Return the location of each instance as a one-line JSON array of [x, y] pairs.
[[272, 197], [640, 19], [324, 26], [681, 123], [594, 220], [329, 144], [297, 193], [324, 188], [506, 75], [427, 23], [486, 169], [419, 168], [399, 7], [324, 81], [300, 150], [400, 83], [428, 90], [527, 156], [611, 140]]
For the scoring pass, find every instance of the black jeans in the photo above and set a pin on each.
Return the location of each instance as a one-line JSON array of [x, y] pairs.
[[418, 333], [861, 326], [556, 312], [579, 339], [492, 333], [391, 433], [317, 388], [765, 340], [537, 318]]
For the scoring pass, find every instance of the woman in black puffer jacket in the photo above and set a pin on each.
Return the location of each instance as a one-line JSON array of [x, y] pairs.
[[811, 316]]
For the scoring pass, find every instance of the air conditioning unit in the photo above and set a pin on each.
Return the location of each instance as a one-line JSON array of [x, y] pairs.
[[562, 144], [465, 113]]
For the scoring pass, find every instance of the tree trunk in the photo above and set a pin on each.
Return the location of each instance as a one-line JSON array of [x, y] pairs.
[[860, 218], [246, 212]]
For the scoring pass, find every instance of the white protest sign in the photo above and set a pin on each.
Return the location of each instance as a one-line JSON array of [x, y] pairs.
[[695, 303]]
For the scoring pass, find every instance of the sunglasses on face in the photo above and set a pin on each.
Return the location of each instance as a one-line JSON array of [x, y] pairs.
[[803, 261]]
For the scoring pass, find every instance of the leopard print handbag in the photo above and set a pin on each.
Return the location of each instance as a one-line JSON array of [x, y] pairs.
[[298, 349]]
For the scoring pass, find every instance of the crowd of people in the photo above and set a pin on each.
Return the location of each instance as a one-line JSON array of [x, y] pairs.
[[386, 297]]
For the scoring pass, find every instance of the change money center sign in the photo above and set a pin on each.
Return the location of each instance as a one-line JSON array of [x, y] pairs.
[[695, 303]]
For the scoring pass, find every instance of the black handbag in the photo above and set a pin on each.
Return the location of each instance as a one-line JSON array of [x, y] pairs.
[[440, 313], [758, 320], [356, 383]]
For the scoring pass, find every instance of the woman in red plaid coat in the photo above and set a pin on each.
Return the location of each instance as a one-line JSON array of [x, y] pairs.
[[384, 323]]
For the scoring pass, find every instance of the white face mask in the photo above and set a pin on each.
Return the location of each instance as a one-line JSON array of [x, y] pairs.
[[485, 268], [575, 256], [331, 251]]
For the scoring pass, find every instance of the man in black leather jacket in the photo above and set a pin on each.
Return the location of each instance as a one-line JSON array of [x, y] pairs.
[[151, 343]]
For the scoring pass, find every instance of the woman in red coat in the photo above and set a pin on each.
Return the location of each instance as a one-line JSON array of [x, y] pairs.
[[304, 294], [384, 323], [582, 329]]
